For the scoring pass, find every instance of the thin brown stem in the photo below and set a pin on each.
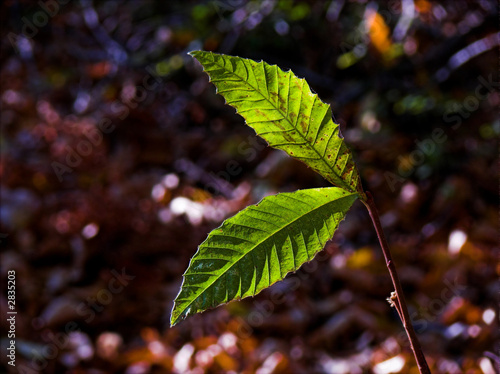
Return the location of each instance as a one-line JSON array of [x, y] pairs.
[[399, 302]]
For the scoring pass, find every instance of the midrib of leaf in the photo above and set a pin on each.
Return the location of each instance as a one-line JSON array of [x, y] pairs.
[[256, 245], [334, 175]]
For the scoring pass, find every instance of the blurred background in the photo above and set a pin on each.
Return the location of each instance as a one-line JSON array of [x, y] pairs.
[[118, 158]]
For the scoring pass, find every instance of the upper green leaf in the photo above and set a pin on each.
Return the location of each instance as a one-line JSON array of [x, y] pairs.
[[282, 109], [259, 246]]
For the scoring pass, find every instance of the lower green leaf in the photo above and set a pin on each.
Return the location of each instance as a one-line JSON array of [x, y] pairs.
[[259, 246]]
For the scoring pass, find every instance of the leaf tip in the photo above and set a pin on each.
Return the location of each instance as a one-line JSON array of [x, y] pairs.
[[195, 53], [174, 317]]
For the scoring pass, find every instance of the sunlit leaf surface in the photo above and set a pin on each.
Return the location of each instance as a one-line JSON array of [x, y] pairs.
[[259, 246], [282, 109]]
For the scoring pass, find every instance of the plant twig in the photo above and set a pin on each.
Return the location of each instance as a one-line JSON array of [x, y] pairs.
[[399, 299]]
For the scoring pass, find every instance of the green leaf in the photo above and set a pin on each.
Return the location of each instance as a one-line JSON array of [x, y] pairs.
[[259, 246], [282, 109]]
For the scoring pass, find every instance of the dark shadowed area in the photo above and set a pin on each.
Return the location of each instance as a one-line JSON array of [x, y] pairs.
[[118, 158]]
